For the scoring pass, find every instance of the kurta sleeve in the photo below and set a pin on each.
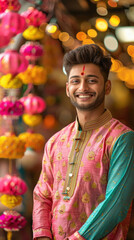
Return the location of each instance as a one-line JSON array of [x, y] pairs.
[[119, 192], [42, 199]]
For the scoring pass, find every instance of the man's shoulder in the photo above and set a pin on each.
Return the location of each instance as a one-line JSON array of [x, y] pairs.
[[65, 130], [117, 124]]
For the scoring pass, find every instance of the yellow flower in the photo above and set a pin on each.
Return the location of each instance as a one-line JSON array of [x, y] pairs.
[[33, 33], [10, 201]]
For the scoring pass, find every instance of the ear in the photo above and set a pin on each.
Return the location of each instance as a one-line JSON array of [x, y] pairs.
[[67, 89], [107, 87]]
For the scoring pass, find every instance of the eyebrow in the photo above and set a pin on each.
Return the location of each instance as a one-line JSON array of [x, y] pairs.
[[90, 75]]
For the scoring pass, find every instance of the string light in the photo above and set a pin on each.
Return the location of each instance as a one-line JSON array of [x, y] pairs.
[[92, 33], [81, 36], [130, 50], [101, 24], [114, 20], [87, 41], [63, 36]]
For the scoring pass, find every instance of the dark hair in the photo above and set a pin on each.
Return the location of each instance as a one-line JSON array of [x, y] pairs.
[[90, 53]]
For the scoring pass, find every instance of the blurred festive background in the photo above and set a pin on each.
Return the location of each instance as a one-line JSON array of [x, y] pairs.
[[35, 34]]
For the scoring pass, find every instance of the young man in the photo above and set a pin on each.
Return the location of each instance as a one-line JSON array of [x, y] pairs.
[[86, 184]]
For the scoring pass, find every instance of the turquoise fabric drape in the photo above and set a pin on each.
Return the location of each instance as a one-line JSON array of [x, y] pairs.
[[119, 192]]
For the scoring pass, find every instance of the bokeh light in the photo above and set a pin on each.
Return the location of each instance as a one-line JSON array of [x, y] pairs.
[[101, 24], [130, 50], [92, 33], [114, 20], [112, 3], [51, 28], [116, 65], [87, 41], [81, 36], [111, 43], [63, 36]]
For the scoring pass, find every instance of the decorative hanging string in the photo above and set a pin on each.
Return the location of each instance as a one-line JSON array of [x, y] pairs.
[[9, 235], [10, 166]]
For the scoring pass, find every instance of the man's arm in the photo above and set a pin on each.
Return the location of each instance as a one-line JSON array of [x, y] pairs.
[[42, 200], [119, 192]]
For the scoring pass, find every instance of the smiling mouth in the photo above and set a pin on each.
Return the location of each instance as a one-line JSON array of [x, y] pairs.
[[84, 96]]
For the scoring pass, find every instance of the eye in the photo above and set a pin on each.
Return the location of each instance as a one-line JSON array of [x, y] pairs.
[[74, 81], [92, 81]]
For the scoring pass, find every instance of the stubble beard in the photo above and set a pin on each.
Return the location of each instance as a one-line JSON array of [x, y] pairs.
[[91, 106]]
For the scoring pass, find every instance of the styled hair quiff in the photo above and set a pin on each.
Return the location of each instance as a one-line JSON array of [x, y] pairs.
[[89, 53]]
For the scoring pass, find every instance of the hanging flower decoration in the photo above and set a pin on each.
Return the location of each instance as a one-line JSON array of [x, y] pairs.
[[4, 38], [9, 108], [33, 33], [34, 20], [11, 147], [32, 120], [34, 74], [10, 201], [32, 50], [12, 5], [12, 62], [12, 23], [12, 185], [10, 81], [33, 140], [33, 104], [34, 17], [12, 221]]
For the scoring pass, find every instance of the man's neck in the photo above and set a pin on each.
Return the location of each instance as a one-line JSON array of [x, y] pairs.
[[87, 116]]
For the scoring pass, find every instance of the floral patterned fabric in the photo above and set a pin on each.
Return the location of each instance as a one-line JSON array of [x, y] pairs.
[[81, 185]]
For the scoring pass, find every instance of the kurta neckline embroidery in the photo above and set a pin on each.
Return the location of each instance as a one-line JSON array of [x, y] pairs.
[[80, 140], [97, 123]]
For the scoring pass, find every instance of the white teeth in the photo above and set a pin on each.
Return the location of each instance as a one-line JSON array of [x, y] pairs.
[[87, 96]]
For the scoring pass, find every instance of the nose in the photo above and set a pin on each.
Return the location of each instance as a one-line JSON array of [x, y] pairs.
[[83, 86]]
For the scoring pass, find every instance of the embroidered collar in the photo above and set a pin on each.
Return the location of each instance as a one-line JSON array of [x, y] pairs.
[[97, 123]]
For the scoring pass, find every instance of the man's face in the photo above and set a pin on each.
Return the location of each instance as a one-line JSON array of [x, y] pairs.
[[86, 87]]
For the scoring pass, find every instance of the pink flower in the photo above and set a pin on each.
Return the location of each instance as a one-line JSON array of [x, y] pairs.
[[12, 185], [9, 108], [34, 17], [12, 221]]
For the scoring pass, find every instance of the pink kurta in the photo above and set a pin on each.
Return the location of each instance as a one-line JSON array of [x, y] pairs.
[[74, 178]]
